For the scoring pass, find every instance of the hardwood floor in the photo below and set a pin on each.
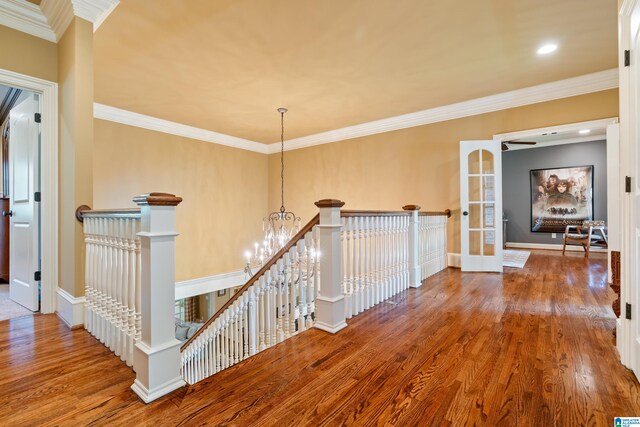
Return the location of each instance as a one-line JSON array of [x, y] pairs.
[[530, 347]]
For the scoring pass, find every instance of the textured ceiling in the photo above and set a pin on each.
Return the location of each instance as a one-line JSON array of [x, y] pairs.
[[226, 65]]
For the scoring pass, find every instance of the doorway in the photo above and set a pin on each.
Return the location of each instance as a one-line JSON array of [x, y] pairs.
[[19, 187], [565, 147], [48, 102]]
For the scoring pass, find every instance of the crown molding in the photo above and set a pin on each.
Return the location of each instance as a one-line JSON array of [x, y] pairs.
[[112, 114], [52, 18], [59, 15], [546, 92], [26, 17], [581, 85], [94, 11]]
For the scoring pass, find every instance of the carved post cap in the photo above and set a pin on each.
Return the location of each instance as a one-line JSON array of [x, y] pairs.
[[329, 203], [157, 199], [411, 208]]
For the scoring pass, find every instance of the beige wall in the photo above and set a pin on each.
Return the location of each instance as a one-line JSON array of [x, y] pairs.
[[75, 61], [28, 55], [224, 191], [412, 166]]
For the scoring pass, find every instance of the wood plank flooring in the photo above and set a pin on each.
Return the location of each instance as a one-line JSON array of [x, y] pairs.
[[530, 347]]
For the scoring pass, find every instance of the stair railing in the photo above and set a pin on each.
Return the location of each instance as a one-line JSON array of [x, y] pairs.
[[130, 288], [275, 304], [339, 265]]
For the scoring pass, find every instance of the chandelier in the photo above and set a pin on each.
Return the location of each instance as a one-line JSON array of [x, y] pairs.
[[278, 227]]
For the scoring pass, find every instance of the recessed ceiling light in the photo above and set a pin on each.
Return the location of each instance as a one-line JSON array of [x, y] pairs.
[[547, 48], [584, 131]]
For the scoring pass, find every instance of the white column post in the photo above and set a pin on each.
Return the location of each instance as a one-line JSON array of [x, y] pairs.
[[330, 310], [156, 359], [415, 275]]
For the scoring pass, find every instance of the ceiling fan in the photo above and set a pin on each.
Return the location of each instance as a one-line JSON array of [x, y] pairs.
[[505, 147]]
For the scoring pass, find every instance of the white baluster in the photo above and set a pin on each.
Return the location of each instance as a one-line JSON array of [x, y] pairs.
[[308, 244], [291, 309], [281, 284], [348, 291], [262, 314], [253, 324], [301, 289]]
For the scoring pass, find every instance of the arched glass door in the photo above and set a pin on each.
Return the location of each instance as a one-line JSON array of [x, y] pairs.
[[481, 205]]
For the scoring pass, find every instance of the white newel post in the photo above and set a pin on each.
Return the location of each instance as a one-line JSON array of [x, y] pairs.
[[414, 248], [330, 314], [156, 358]]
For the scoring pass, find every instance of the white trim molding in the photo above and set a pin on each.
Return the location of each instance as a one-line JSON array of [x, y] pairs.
[[454, 260], [48, 92], [117, 115], [59, 15], [551, 246], [205, 285], [574, 86], [70, 308], [26, 17], [94, 11], [591, 124], [581, 85], [51, 19]]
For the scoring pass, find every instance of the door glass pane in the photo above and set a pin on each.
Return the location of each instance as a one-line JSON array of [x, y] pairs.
[[489, 215], [475, 242], [474, 189], [474, 215], [489, 188], [489, 242], [487, 162], [474, 162]]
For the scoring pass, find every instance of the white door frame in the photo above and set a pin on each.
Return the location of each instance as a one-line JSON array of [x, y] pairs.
[[626, 342], [48, 92], [613, 163]]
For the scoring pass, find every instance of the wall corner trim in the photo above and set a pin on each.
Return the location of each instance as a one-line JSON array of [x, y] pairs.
[[70, 309]]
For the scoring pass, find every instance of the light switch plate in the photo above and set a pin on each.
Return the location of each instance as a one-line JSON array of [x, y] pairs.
[[553, 235]]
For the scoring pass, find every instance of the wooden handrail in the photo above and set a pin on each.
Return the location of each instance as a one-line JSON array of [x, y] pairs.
[[274, 259], [446, 212], [85, 210]]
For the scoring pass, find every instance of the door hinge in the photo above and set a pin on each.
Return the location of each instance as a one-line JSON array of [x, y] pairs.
[[627, 312], [37, 276], [627, 184], [38, 118], [627, 58], [37, 196]]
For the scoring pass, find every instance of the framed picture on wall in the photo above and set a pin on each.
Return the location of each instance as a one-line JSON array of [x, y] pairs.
[[222, 292], [561, 197]]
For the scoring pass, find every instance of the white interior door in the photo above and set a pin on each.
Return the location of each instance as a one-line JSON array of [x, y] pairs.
[[481, 205], [633, 295], [24, 257]]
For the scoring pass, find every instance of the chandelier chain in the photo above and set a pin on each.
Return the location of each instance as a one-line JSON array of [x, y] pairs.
[[282, 209]]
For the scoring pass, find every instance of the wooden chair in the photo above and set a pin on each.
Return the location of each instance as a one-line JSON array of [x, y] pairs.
[[590, 233]]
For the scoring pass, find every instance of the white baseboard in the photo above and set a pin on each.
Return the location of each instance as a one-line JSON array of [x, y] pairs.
[[204, 285], [551, 246], [454, 260], [70, 308]]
